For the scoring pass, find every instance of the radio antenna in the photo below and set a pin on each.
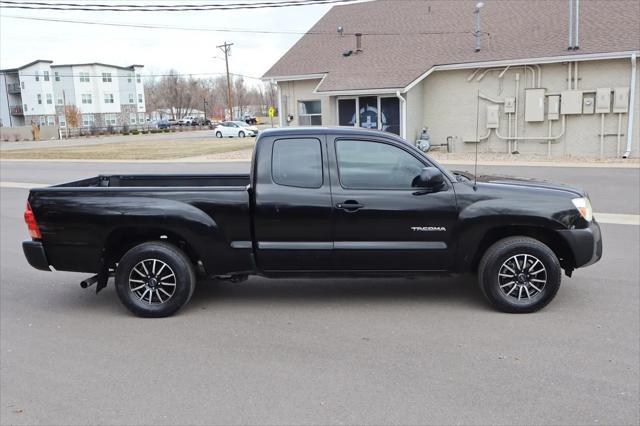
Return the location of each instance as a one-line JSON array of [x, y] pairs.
[[475, 167]]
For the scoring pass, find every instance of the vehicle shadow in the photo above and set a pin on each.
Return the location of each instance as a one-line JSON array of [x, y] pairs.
[[459, 290]]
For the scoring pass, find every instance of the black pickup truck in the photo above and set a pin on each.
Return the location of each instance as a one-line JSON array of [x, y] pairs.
[[318, 202]]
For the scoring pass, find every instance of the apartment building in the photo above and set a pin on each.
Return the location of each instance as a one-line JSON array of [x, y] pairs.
[[105, 95]]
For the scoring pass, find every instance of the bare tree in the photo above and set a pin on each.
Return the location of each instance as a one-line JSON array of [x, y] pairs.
[[72, 116]]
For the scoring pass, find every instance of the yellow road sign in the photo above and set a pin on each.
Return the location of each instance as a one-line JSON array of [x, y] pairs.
[[272, 111]]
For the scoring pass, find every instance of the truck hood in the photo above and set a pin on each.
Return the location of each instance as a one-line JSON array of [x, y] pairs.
[[524, 182]]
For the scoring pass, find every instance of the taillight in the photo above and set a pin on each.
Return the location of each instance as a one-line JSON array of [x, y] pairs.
[[30, 220]]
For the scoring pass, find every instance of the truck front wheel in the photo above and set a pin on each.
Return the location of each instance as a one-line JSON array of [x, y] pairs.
[[155, 279], [519, 275]]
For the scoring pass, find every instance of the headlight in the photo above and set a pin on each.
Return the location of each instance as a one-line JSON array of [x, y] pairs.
[[584, 207]]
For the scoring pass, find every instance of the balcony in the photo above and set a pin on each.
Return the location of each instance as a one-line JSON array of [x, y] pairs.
[[13, 88], [16, 110]]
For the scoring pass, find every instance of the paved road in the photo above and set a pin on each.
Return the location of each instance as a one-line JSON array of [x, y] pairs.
[[309, 352]]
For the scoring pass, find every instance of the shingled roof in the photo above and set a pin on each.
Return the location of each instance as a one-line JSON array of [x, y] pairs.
[[402, 39]]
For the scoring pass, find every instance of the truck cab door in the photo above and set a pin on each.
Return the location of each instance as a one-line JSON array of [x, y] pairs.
[[382, 221], [293, 207]]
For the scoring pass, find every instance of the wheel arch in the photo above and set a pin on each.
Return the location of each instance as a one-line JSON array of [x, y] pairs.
[[549, 237], [123, 239]]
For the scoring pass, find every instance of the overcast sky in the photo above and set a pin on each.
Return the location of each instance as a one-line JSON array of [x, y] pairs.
[[189, 52]]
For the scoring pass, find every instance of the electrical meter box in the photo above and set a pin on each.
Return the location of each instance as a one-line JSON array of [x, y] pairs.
[[603, 100], [493, 116], [621, 99], [571, 102], [553, 108], [509, 105], [588, 105], [534, 105]]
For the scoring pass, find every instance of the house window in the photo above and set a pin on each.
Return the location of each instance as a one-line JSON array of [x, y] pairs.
[[60, 101], [25, 108], [84, 77], [139, 98], [39, 99], [310, 113], [49, 99], [106, 77], [129, 78], [37, 76], [138, 78], [87, 120], [51, 120], [22, 85], [43, 120], [45, 74], [132, 118], [141, 118], [56, 75], [110, 119], [62, 121], [132, 98], [86, 98], [108, 98], [372, 112]]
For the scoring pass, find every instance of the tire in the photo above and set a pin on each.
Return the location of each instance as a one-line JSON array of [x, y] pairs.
[[218, 134], [519, 275], [241, 134], [142, 285]]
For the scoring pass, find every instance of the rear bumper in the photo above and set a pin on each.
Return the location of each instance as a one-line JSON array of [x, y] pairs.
[[585, 244], [35, 254]]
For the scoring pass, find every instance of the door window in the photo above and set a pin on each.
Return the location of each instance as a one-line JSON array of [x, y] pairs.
[[347, 112], [369, 112], [390, 115], [297, 162], [375, 165]]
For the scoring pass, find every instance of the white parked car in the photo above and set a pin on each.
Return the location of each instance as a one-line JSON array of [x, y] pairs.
[[186, 121], [232, 129], [246, 125]]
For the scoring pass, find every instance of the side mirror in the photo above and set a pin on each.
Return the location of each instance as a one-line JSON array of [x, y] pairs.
[[429, 178]]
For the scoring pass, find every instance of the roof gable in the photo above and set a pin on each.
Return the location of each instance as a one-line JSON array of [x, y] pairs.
[[404, 38]]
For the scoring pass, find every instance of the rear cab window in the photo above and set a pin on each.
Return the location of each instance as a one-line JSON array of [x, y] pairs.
[[297, 162]]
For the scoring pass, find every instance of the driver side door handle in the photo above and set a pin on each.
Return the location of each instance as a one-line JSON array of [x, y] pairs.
[[350, 206]]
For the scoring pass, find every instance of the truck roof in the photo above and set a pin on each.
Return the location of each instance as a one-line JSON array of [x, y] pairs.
[[320, 130]]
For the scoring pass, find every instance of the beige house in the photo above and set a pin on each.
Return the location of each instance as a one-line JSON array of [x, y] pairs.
[[543, 77]]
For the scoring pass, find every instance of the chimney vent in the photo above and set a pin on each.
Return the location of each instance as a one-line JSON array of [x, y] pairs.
[[358, 42]]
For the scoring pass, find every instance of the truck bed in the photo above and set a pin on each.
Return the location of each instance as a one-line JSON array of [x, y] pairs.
[[80, 219]]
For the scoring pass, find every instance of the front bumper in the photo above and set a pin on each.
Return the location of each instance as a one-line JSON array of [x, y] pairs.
[[35, 254], [585, 244]]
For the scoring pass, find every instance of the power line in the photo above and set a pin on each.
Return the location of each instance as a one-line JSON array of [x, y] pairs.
[[10, 4], [226, 30], [143, 75]]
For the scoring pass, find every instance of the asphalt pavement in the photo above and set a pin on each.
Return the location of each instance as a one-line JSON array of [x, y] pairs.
[[334, 351]]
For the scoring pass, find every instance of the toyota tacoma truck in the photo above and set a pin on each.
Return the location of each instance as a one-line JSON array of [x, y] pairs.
[[318, 202]]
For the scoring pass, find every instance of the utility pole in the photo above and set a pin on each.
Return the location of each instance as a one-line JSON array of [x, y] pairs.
[[226, 48]]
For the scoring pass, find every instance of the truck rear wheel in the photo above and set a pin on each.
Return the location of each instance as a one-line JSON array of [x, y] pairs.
[[155, 279], [519, 275]]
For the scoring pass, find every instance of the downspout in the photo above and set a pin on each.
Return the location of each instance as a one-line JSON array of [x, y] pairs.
[[403, 118], [280, 110], [632, 106]]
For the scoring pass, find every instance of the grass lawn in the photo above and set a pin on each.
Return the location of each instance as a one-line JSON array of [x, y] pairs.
[[133, 150]]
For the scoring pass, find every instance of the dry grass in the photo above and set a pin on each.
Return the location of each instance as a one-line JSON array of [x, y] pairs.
[[134, 150]]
